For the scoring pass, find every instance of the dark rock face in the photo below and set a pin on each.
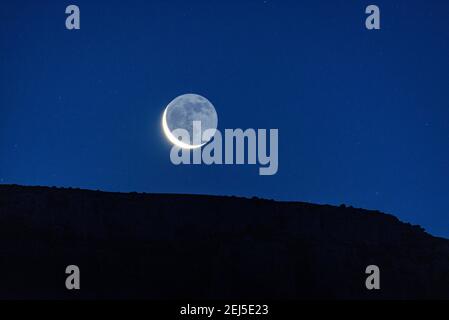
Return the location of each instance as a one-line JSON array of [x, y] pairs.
[[202, 247]]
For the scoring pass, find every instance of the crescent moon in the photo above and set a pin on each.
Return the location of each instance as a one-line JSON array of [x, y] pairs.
[[172, 138]]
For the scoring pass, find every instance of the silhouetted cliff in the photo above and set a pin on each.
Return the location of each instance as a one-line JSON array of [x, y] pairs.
[[163, 246]]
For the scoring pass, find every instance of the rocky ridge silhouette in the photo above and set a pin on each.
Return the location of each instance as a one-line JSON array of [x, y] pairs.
[[169, 246]]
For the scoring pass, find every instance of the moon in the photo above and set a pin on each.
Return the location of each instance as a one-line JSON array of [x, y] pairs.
[[182, 111]]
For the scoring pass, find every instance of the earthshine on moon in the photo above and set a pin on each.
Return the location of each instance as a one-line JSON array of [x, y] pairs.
[[182, 111]]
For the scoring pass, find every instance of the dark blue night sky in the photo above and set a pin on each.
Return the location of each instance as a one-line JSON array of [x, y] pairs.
[[363, 116]]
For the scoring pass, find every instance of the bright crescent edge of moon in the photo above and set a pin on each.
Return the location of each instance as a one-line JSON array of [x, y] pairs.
[[172, 138]]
